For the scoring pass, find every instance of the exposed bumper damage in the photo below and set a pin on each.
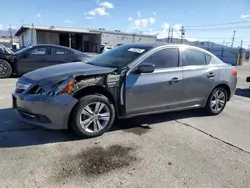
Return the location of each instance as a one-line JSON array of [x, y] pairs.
[[52, 110]]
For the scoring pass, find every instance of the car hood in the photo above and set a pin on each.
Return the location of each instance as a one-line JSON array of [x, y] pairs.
[[54, 74]]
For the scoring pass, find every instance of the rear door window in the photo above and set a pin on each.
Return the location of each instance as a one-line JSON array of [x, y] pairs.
[[193, 57], [61, 51]]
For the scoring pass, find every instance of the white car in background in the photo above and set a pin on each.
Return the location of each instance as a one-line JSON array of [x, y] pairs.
[[107, 48]]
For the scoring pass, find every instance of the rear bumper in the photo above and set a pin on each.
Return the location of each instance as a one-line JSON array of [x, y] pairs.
[[49, 112]]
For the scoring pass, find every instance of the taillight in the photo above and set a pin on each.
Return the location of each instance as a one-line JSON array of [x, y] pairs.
[[234, 72]]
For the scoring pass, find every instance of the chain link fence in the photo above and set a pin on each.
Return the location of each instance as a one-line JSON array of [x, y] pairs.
[[232, 55]]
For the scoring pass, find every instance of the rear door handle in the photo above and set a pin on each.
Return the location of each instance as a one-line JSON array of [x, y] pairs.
[[174, 80], [210, 75]]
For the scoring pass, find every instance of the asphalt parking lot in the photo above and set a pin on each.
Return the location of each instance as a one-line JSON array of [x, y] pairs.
[[175, 150]]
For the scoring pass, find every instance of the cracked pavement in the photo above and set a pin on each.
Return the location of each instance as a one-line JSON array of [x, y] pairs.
[[175, 150]]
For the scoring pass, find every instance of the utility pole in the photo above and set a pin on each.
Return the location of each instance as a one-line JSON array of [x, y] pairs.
[[241, 50], [172, 33], [32, 34], [182, 33], [222, 50], [70, 38], [209, 41], [11, 37], [169, 31], [233, 39]]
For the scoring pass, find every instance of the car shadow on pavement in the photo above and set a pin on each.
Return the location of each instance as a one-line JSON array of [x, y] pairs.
[[142, 124], [245, 92], [14, 133]]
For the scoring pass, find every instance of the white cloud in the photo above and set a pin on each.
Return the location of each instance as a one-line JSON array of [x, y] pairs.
[[130, 19], [6, 27], [68, 21], [191, 39], [139, 14], [165, 26], [3, 27], [101, 11], [106, 4], [140, 23], [89, 17], [38, 15], [164, 31], [244, 16], [177, 30], [152, 20]]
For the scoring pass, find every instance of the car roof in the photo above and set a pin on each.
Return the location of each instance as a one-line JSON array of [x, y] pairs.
[[58, 46], [158, 44]]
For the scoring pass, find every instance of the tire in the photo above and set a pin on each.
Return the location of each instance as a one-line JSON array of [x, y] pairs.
[[90, 102], [5, 69], [212, 99]]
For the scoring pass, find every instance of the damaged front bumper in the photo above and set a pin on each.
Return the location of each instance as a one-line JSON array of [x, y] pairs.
[[51, 112]]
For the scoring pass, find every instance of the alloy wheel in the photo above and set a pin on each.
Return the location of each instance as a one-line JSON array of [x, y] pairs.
[[218, 101], [94, 117], [4, 70]]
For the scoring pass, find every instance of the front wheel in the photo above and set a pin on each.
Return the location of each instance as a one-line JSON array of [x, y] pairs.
[[93, 116], [5, 69], [216, 101]]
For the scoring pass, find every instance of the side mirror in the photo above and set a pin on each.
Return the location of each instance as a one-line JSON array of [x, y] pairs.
[[146, 68]]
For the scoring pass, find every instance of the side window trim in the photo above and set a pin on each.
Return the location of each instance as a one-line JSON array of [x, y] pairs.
[[210, 59]]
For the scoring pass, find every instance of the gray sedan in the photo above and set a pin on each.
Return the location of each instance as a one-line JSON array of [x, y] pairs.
[[127, 81]]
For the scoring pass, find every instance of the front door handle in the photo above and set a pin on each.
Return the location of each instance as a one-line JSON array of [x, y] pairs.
[[211, 75], [174, 80]]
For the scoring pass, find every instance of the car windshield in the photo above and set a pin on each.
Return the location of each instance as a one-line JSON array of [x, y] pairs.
[[21, 51], [4, 48], [119, 57]]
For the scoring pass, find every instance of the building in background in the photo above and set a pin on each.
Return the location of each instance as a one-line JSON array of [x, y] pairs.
[[87, 40]]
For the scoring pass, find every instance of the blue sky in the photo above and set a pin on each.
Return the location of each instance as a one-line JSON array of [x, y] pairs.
[[147, 16]]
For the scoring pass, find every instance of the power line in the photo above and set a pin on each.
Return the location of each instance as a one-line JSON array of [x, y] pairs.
[[220, 28], [227, 23]]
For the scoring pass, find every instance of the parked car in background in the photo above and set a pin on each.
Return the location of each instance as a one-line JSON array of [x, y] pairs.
[[35, 57], [248, 79], [127, 81]]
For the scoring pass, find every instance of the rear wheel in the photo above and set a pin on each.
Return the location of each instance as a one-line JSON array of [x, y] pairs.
[[5, 69], [93, 116], [216, 101]]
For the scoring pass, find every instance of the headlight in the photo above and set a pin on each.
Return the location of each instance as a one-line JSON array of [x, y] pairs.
[[66, 86], [22, 86]]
